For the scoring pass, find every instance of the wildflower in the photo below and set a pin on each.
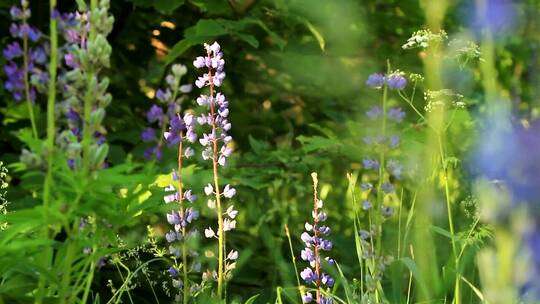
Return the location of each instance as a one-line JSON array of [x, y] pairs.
[[174, 127], [396, 81], [366, 186], [209, 233], [366, 205], [374, 112], [24, 62], [233, 255], [396, 114], [375, 80], [370, 164], [214, 142], [228, 191], [315, 243], [387, 211], [307, 297], [387, 187]]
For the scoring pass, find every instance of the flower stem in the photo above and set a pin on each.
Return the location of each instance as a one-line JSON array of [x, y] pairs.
[[88, 97], [316, 236], [26, 80], [185, 294], [444, 165], [287, 233], [221, 232], [50, 141]]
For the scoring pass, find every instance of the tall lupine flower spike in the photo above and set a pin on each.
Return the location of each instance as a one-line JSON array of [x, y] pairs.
[[168, 118], [179, 218], [26, 57], [315, 243], [381, 169], [85, 95], [216, 148], [3, 199]]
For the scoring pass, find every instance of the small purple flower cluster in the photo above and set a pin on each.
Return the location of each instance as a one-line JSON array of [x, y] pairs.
[[179, 219], [394, 81], [170, 124], [315, 242], [217, 138], [26, 65]]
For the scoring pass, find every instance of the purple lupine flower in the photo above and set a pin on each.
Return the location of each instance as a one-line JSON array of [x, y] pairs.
[[370, 164], [375, 80], [366, 205], [154, 114], [396, 81], [215, 139], [394, 141], [314, 244], [366, 186], [387, 211], [308, 275], [12, 50], [394, 168], [149, 134], [396, 114], [374, 112], [507, 162], [178, 128], [173, 272], [307, 297], [387, 187], [35, 55], [71, 61]]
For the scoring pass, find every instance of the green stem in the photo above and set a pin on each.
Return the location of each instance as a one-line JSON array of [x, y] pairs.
[[450, 217], [215, 154], [66, 275], [51, 98], [293, 260], [89, 279]]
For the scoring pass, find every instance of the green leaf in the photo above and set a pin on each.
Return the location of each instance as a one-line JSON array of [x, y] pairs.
[[167, 6], [444, 232], [250, 39], [316, 34], [252, 299], [411, 265]]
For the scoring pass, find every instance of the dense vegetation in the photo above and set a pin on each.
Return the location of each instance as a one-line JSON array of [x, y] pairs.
[[245, 151]]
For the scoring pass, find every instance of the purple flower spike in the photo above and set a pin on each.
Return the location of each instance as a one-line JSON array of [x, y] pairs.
[[315, 243]]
